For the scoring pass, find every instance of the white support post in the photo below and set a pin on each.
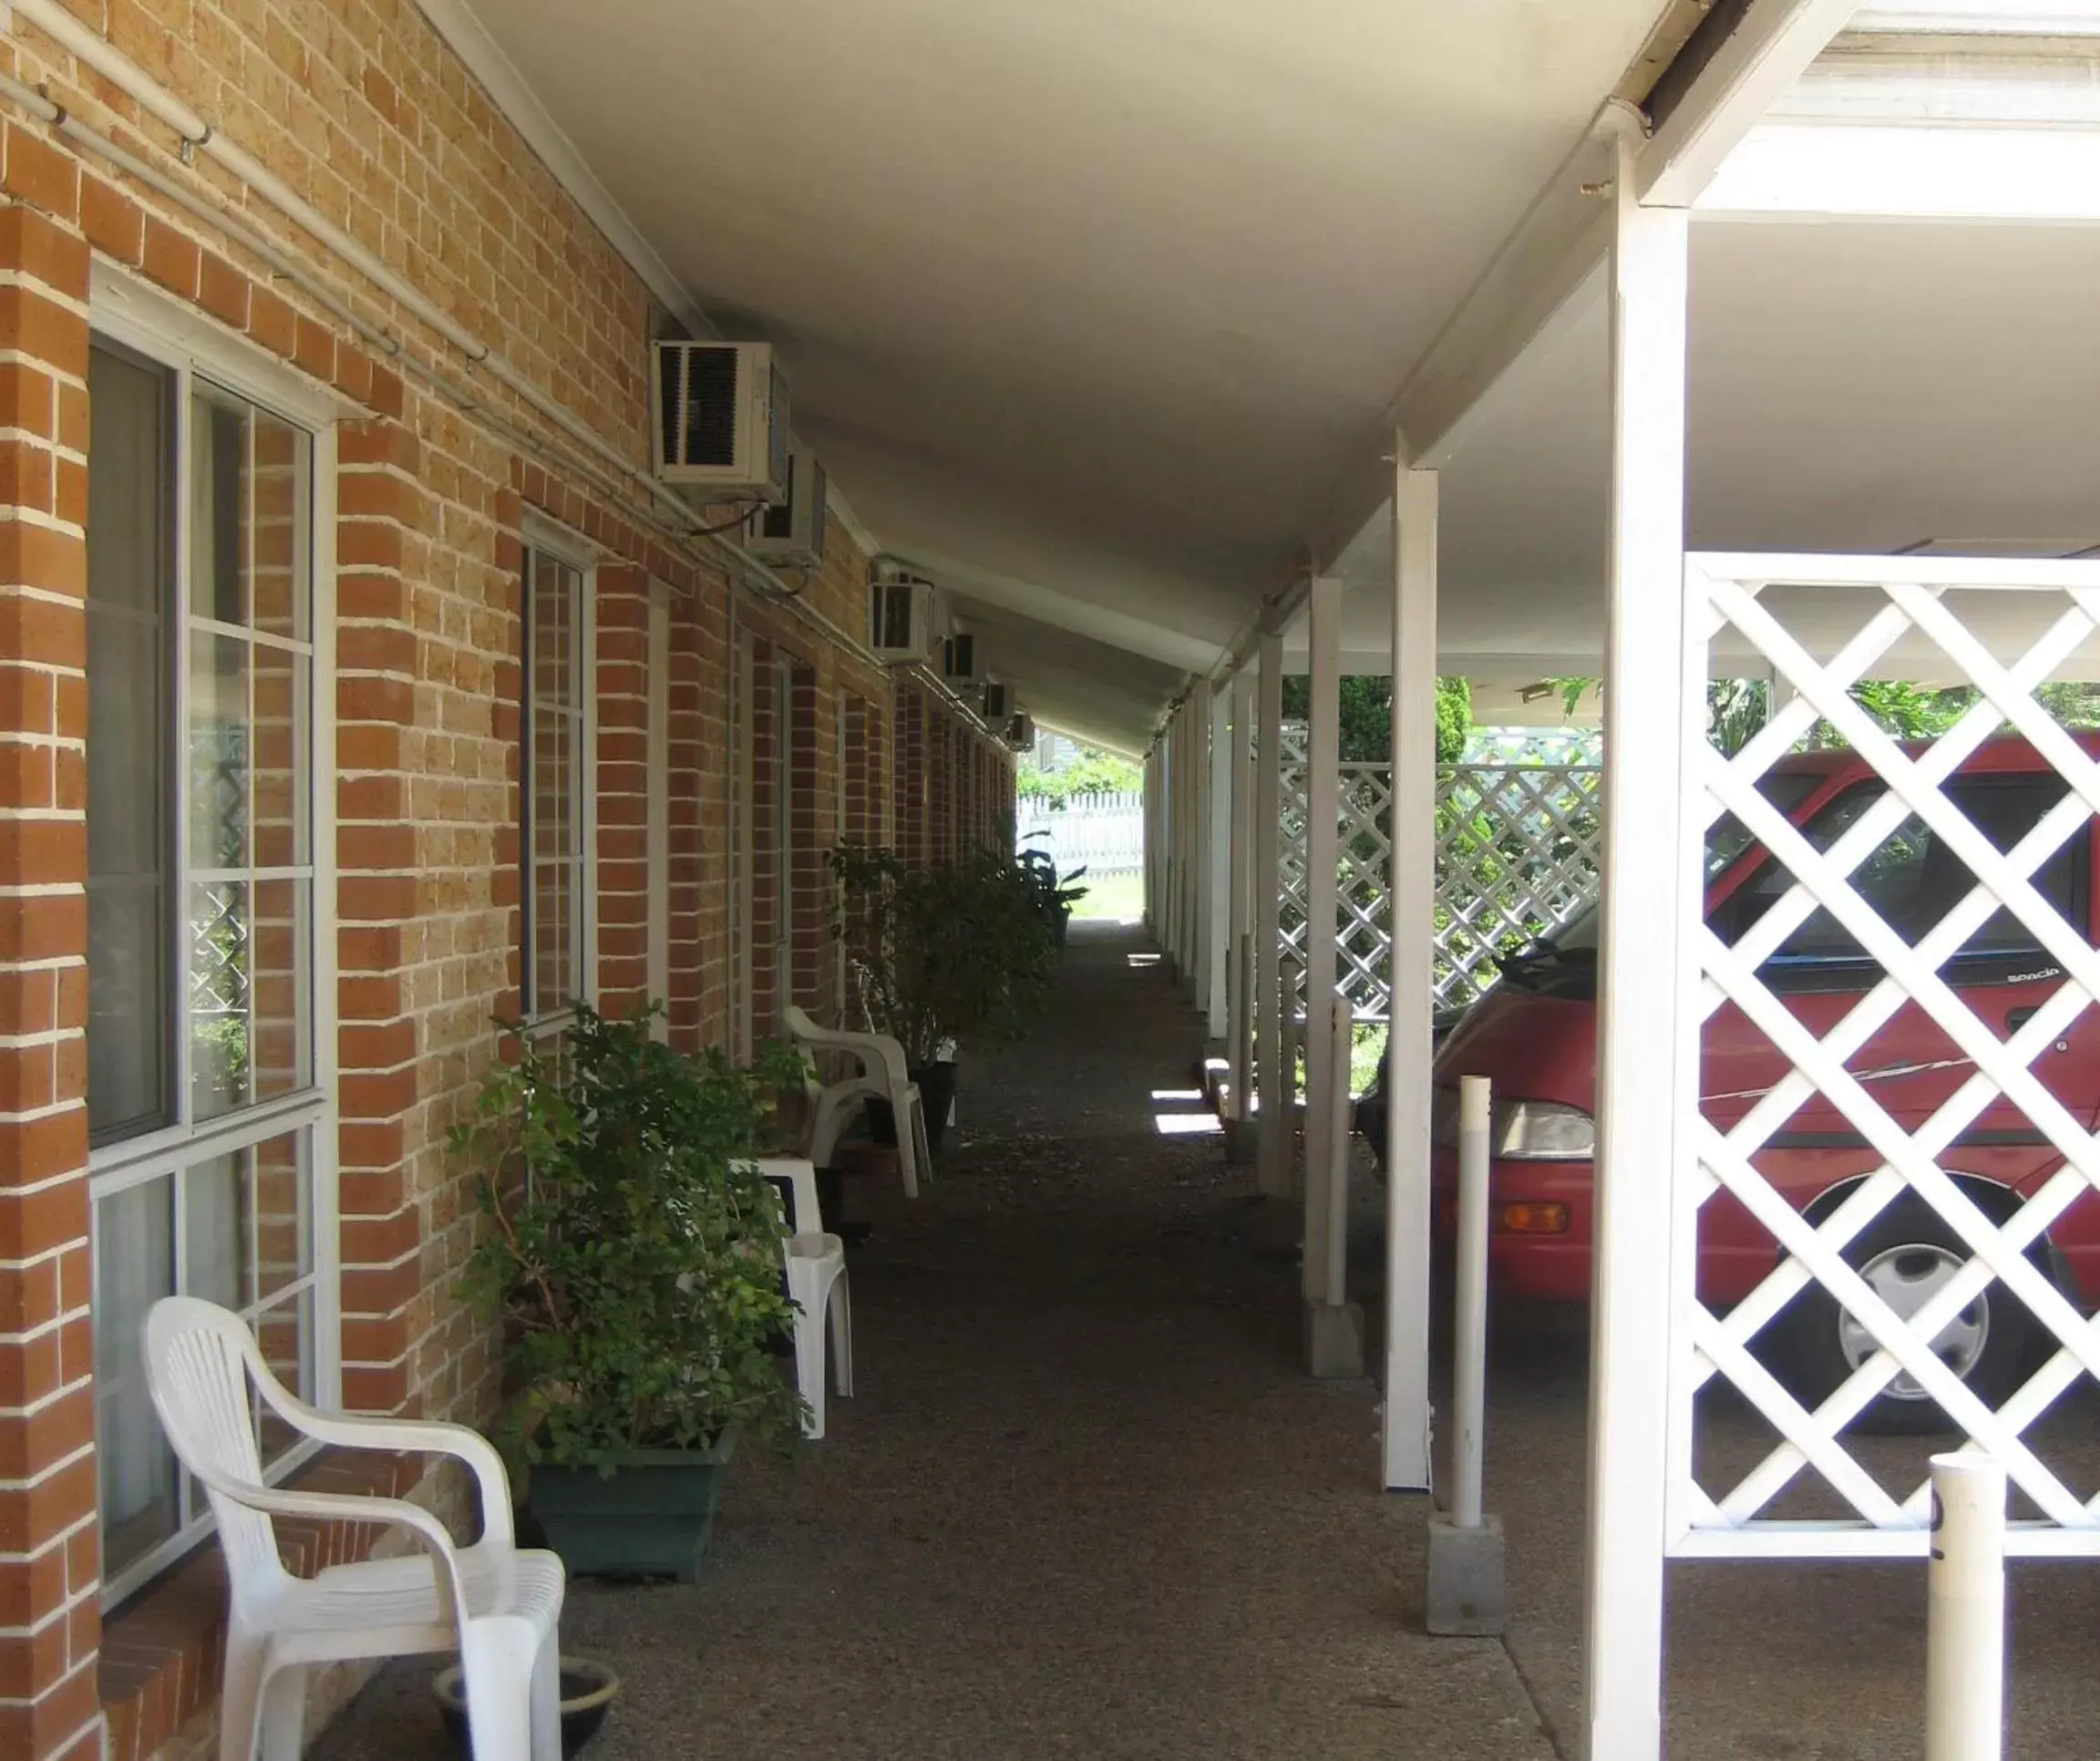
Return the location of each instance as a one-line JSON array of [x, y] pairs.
[[1190, 757], [1239, 929], [1965, 1617], [1333, 1335], [1322, 783], [1405, 1439], [1647, 1045], [1216, 859], [1156, 841], [1277, 1082], [1177, 840]]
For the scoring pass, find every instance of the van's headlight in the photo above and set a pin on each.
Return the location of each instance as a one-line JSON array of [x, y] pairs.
[[1543, 1131]]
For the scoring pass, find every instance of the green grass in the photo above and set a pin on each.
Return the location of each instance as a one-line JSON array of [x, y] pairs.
[[1112, 895]]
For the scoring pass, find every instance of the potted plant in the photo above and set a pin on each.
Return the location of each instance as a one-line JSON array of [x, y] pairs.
[[1054, 895], [952, 954], [633, 1254]]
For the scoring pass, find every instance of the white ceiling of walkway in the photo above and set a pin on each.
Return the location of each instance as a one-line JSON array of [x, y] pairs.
[[1862, 386], [1091, 305]]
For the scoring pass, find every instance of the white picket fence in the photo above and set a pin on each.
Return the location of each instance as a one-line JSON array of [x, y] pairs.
[[1104, 834], [1516, 847]]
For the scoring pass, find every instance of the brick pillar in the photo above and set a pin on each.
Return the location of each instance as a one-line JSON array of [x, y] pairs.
[[50, 1623], [908, 777], [380, 505], [622, 784], [803, 916], [699, 825]]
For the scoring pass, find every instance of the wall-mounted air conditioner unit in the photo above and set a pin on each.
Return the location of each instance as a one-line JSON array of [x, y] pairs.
[[1020, 731], [721, 425], [994, 702], [960, 663], [791, 532], [900, 613]]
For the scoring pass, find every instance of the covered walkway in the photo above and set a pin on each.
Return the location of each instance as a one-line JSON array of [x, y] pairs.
[[1086, 1502]]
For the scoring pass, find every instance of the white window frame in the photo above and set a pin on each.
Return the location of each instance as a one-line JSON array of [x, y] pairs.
[[541, 535], [156, 328]]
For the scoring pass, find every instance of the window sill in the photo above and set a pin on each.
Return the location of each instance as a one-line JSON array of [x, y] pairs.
[[162, 1652]]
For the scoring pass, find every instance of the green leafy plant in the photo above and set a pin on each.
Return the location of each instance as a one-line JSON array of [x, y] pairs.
[[954, 951], [629, 1249], [1367, 713], [1091, 772]]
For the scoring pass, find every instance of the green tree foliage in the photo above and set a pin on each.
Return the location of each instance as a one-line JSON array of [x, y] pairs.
[[1368, 715], [1093, 772]]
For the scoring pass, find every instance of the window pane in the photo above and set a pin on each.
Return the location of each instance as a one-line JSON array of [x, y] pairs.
[[218, 998], [127, 1075], [215, 1231], [128, 584], [554, 631], [553, 936], [219, 751], [286, 1335], [280, 1020], [249, 516], [553, 783], [284, 1226], [134, 1267], [278, 766], [553, 854]]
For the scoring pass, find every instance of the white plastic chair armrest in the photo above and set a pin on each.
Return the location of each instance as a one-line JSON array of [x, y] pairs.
[[425, 1436], [350, 1506]]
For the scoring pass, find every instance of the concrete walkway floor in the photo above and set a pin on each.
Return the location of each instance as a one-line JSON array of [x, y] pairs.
[[1083, 1504]]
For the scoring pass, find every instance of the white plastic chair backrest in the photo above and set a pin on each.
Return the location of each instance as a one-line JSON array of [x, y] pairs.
[[200, 1359], [799, 1173], [798, 1022]]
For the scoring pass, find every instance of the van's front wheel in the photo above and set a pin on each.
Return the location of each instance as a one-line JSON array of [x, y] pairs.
[[1907, 1257]]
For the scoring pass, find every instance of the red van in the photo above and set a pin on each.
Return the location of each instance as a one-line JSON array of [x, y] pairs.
[[1534, 1036]]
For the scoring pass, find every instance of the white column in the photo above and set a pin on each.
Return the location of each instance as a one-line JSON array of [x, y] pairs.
[[1405, 1438], [1156, 842], [1240, 872], [1175, 786], [1647, 1045], [1217, 858], [1323, 784], [1279, 1085]]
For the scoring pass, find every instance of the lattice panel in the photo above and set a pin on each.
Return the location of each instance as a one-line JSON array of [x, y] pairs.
[[1915, 873], [1517, 849]]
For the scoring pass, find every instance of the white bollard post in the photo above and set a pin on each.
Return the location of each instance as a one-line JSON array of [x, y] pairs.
[[1342, 1026], [1469, 1348], [1965, 1620], [1467, 1580]]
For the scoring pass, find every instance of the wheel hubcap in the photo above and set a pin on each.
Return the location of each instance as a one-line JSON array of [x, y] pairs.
[[1907, 1277]]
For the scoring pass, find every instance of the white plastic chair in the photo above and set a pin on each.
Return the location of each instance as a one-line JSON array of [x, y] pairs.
[[497, 1605], [816, 1266], [882, 1076]]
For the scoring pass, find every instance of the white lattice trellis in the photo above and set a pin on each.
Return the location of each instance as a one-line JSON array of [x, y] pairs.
[[1516, 858], [2045, 613]]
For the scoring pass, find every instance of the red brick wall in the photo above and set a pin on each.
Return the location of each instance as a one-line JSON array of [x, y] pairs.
[[49, 1576], [432, 507]]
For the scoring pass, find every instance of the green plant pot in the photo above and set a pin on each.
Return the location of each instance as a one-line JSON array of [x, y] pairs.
[[651, 1517]]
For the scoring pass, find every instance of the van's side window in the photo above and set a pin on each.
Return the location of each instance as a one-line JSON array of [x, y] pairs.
[[1912, 880]]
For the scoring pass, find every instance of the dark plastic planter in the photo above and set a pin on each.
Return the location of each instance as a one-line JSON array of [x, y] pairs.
[[588, 1691], [651, 1517], [937, 1096]]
